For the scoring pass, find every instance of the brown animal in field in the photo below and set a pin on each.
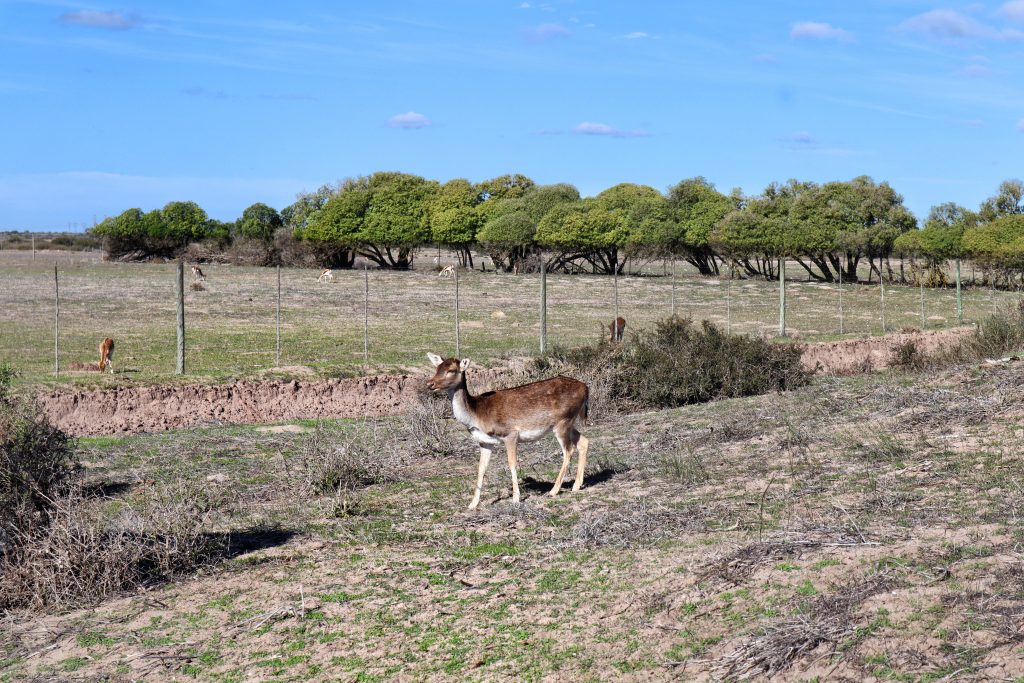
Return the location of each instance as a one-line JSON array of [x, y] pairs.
[[447, 271], [326, 275], [523, 413], [197, 273], [107, 355], [617, 328]]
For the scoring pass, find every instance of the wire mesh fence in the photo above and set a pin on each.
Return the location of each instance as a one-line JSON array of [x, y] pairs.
[[386, 320]]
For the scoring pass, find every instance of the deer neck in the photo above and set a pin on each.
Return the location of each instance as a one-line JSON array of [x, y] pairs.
[[462, 403]]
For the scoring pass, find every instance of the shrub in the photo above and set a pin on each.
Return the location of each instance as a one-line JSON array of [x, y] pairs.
[[429, 428], [85, 553], [678, 363], [908, 356], [37, 464], [339, 464], [1000, 333]]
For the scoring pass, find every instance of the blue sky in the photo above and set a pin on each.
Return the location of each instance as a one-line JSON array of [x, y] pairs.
[[106, 107]]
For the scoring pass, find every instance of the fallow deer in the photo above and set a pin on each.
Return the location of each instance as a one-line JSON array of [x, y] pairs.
[[326, 275], [617, 327], [447, 271], [197, 273], [523, 413], [107, 355]]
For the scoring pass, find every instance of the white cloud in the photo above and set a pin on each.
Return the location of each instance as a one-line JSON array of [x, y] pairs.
[[976, 68], [1013, 10], [409, 120], [636, 34], [816, 30], [524, 5], [115, 21], [545, 32], [591, 128], [949, 26]]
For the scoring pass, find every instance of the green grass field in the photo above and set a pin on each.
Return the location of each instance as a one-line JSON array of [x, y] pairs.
[[863, 528], [231, 324]]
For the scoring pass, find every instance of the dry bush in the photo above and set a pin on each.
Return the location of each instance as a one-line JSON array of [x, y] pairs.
[[37, 464], [827, 621], [197, 287], [85, 554], [432, 430], [999, 334], [677, 364], [247, 251], [203, 252], [637, 524], [908, 356], [337, 465]]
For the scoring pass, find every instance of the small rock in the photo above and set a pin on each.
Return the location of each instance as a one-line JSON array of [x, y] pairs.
[[219, 478]]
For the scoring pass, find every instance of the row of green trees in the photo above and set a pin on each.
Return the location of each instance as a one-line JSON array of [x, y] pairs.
[[167, 231], [830, 229]]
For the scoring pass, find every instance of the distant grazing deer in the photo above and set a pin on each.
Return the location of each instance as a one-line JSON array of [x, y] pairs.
[[326, 275], [617, 327], [197, 273], [107, 355], [447, 271], [523, 413]]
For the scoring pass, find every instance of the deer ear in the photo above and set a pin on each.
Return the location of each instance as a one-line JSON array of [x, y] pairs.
[[435, 359], [464, 364]]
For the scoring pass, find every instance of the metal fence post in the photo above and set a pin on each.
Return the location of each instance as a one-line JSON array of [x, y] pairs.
[[458, 337], [959, 297], [543, 308], [673, 288], [841, 331], [366, 316], [923, 323], [782, 297], [56, 322], [615, 286], [278, 355], [180, 289], [881, 288]]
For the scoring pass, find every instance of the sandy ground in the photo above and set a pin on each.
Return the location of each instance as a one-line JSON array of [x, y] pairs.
[[132, 410]]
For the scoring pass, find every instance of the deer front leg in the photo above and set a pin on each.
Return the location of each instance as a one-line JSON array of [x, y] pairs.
[[485, 460], [511, 442]]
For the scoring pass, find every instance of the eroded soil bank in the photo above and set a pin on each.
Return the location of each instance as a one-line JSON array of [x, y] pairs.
[[132, 410]]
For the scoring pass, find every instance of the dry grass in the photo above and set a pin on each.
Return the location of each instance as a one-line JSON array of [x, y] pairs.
[[863, 527], [231, 323]]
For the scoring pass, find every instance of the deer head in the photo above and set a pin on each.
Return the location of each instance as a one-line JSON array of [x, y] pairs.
[[449, 373]]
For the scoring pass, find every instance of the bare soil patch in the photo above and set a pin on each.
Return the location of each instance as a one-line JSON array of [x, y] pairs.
[[854, 356], [133, 410]]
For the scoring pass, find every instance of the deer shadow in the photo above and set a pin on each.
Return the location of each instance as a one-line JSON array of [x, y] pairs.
[[239, 542], [537, 486]]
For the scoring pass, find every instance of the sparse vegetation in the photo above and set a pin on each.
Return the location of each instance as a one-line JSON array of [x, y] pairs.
[[678, 363]]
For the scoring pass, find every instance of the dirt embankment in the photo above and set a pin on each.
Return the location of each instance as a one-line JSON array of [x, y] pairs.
[[874, 353], [131, 410]]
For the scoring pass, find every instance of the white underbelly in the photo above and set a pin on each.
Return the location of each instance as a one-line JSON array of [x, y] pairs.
[[533, 434], [481, 436]]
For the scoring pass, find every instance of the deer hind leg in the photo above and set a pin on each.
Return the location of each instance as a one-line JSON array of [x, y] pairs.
[[582, 444], [485, 460], [510, 445], [565, 441]]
